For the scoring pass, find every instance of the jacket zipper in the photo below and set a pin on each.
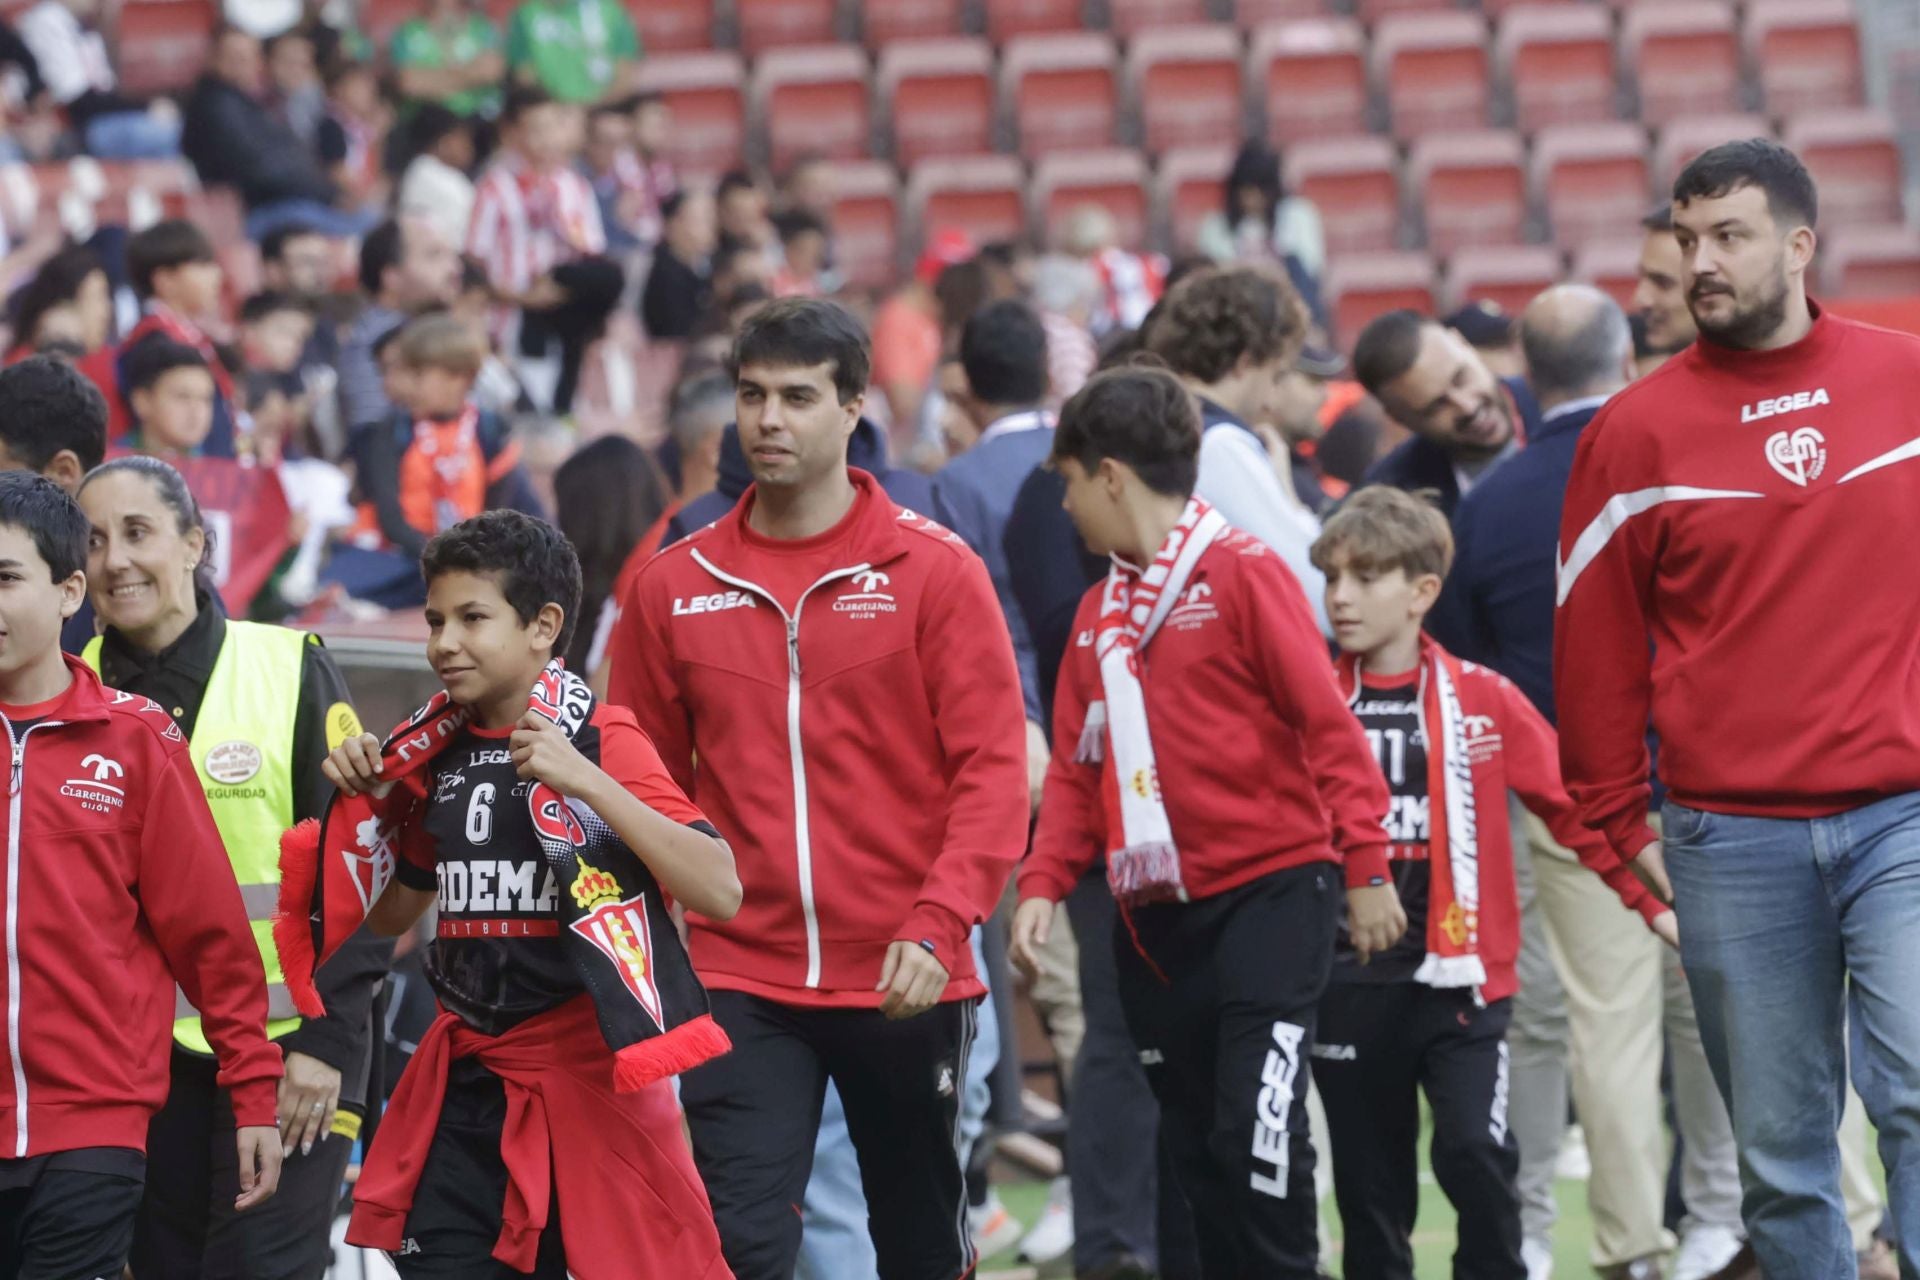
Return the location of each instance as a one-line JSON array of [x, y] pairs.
[[802, 832], [15, 789]]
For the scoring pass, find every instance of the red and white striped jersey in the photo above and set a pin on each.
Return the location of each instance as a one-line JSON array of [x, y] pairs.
[[526, 223]]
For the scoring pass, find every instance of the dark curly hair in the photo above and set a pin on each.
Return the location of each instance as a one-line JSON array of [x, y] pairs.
[[530, 559], [1215, 316]]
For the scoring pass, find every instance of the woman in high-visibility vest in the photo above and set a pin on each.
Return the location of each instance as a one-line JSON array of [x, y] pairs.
[[261, 706]]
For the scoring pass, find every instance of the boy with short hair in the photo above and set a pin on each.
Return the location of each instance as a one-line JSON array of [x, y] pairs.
[[53, 421], [119, 892], [1200, 744], [551, 837], [172, 394], [1430, 1013]]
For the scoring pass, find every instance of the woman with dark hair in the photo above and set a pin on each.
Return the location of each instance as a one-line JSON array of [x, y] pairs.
[[1261, 222], [261, 706], [68, 301], [608, 495]]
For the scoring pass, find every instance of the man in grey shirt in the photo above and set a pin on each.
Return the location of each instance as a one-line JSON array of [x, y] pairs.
[[406, 266]]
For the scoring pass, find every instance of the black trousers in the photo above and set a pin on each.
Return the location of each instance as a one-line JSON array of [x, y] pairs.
[[67, 1225], [593, 288], [461, 1197], [1222, 995], [754, 1115], [1380, 1045], [1123, 1202], [188, 1229]]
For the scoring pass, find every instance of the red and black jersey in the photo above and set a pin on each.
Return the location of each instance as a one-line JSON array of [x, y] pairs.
[[1389, 711], [498, 958]]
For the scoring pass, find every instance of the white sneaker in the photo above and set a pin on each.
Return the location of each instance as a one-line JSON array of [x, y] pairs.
[[1573, 1162], [1538, 1255], [994, 1230], [1704, 1250], [1052, 1237]]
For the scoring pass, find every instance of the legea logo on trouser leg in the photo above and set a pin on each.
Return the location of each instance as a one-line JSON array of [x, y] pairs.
[[1273, 1106]]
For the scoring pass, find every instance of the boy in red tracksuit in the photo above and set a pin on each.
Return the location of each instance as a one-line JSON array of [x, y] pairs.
[[1431, 1012], [117, 897], [1199, 743], [831, 678]]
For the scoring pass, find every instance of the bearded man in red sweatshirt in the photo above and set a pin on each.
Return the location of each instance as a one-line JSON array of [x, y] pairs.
[[829, 675], [1737, 509]]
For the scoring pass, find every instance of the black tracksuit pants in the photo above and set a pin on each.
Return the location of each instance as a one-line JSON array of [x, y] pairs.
[[1221, 995], [754, 1114], [1380, 1045]]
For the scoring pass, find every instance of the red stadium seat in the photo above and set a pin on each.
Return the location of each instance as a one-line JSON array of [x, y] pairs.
[[1854, 157], [1186, 84], [939, 96], [1433, 67], [1509, 276], [980, 195], [1355, 184], [1248, 14], [1115, 179], [1060, 91], [884, 21], [1192, 184], [1685, 58], [1682, 140], [1362, 286], [1371, 11], [866, 222], [1473, 187], [1807, 52], [776, 24], [1591, 180], [1129, 18], [1612, 265], [1872, 262], [1312, 78], [1559, 60], [703, 90], [665, 25], [163, 44], [1009, 18], [812, 100]]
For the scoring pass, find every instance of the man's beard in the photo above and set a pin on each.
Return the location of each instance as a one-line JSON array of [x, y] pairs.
[[1748, 326]]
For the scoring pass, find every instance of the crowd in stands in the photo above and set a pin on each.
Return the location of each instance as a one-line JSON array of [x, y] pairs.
[[459, 273]]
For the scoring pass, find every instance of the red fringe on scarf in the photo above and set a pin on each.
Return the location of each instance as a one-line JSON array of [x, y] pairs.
[[292, 922], [684, 1047]]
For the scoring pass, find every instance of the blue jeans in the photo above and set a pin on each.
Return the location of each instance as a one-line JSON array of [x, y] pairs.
[[834, 1244], [133, 135], [1779, 920]]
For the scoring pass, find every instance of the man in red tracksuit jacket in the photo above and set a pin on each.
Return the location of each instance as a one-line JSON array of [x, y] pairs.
[[117, 888], [829, 677], [1221, 772], [1746, 509]]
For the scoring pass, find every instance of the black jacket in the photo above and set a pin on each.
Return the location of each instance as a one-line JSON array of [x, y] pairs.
[[233, 140], [867, 450], [1049, 569], [177, 678], [1418, 463]]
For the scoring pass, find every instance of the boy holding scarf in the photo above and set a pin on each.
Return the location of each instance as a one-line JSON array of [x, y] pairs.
[[534, 1131], [1200, 744], [1431, 1013]]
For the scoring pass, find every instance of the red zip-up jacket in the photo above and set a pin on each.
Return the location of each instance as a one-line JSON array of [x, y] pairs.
[[1510, 747], [117, 886], [864, 755], [1729, 563], [1262, 765]]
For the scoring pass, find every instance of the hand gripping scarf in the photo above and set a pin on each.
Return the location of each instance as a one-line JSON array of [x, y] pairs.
[[1145, 865], [614, 923]]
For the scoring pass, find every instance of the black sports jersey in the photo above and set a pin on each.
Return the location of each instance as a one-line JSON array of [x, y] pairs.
[[1391, 717], [497, 957]]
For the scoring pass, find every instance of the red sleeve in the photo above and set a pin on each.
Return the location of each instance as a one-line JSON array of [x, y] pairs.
[[1066, 841], [642, 680], [192, 903], [973, 689], [1288, 652], [1602, 657], [628, 757], [1533, 771]]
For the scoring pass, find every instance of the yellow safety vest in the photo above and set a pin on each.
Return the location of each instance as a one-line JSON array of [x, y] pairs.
[[242, 746]]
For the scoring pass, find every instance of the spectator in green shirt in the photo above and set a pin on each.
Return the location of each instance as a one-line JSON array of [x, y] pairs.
[[582, 51], [452, 57]]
